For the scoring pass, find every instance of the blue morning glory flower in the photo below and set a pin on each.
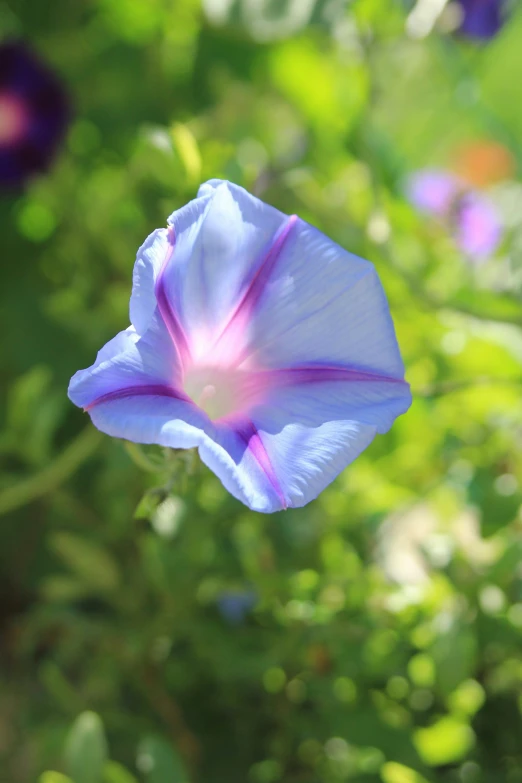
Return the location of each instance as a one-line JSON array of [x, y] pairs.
[[255, 339], [470, 215], [481, 19], [34, 113]]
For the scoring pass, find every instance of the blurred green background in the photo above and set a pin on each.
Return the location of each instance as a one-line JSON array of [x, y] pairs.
[[373, 636]]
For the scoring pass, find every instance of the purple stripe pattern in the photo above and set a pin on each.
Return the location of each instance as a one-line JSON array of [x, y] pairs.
[[249, 434], [243, 312], [150, 390], [318, 374], [272, 443], [166, 308]]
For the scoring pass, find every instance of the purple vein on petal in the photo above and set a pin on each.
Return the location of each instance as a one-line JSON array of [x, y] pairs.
[[322, 374], [146, 390], [167, 312], [262, 275], [249, 434]]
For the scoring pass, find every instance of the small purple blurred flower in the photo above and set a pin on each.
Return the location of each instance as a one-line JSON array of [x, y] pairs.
[[34, 113], [477, 225], [481, 19], [255, 339], [234, 605], [470, 216], [432, 191]]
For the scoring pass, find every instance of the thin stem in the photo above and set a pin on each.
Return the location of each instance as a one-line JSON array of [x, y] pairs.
[[55, 474], [140, 459]]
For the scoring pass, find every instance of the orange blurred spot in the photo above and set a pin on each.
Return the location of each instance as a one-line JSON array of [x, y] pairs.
[[483, 163]]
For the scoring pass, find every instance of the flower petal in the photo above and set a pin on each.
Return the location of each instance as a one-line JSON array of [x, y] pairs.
[[323, 305], [312, 431], [151, 418], [208, 275], [155, 251], [199, 270], [128, 361], [232, 453]]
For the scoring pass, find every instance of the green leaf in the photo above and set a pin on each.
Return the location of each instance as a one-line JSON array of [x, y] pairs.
[[159, 762], [53, 777], [90, 562], [116, 773], [86, 749]]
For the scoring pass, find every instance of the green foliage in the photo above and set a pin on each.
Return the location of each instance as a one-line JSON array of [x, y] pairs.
[[86, 749], [382, 641], [54, 777], [116, 773], [159, 762]]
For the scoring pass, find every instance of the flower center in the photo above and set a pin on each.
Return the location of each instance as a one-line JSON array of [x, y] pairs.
[[221, 391], [13, 118]]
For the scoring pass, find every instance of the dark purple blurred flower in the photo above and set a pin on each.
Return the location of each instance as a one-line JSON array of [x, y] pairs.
[[481, 19], [470, 216], [34, 113], [234, 605]]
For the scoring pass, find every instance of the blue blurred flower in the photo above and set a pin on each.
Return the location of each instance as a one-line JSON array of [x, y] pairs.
[[481, 19], [34, 113], [234, 605], [256, 339], [470, 216]]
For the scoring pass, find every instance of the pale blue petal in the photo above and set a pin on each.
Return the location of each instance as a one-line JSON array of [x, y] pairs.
[[125, 361], [312, 432], [208, 259], [153, 253], [207, 276], [172, 423], [228, 455], [323, 305], [119, 344]]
